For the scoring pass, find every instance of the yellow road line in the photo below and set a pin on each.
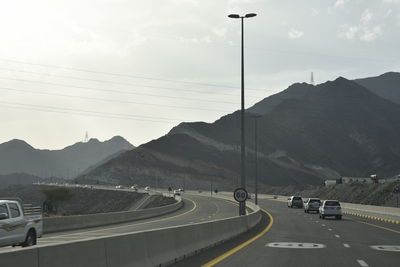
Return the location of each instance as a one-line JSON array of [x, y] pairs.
[[239, 247], [124, 226], [377, 226]]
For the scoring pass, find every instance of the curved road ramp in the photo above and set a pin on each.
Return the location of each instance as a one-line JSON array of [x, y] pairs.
[[157, 247]]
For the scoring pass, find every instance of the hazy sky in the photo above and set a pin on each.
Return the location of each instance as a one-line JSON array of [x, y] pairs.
[[137, 68]]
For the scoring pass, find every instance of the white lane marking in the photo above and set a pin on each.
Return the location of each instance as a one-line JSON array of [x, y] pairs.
[[323, 224], [294, 245], [386, 248], [346, 245], [337, 236], [329, 229], [317, 221], [362, 263]]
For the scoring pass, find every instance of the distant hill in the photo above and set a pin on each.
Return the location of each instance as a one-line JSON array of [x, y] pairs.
[[306, 134], [17, 156], [386, 85], [18, 178]]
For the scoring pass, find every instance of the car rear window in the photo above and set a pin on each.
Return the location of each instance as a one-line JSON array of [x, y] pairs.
[[14, 210], [315, 200], [332, 203], [296, 198]]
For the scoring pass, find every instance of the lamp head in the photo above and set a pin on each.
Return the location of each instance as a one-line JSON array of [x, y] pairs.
[[234, 16], [250, 15]]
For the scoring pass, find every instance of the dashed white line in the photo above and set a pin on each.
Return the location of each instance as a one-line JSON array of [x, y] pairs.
[[346, 245], [337, 236], [329, 229], [323, 224], [362, 263], [317, 221]]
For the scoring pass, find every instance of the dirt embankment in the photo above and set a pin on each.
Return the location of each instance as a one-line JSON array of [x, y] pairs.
[[80, 200], [359, 193]]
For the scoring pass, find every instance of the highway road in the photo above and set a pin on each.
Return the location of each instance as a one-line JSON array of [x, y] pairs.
[[294, 238], [196, 209]]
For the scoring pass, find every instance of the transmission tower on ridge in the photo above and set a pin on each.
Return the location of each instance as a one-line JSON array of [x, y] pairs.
[[86, 137], [312, 78]]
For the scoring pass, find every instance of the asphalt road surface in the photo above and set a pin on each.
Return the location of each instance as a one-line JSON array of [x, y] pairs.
[[300, 239], [196, 209]]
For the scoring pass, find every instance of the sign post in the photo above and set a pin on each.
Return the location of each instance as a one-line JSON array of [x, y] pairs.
[[240, 195], [396, 190]]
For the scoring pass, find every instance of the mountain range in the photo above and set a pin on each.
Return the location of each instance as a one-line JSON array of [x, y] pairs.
[[306, 134], [17, 156]]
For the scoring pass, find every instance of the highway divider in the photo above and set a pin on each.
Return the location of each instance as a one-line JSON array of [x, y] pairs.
[[74, 222], [156, 247]]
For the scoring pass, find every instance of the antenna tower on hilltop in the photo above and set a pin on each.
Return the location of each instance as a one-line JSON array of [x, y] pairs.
[[312, 79], [86, 137]]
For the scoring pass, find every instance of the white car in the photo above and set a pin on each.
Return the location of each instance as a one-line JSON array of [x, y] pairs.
[[118, 187], [20, 225], [147, 188], [330, 208], [134, 188], [177, 192]]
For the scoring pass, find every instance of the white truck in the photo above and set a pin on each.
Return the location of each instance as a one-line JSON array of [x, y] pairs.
[[20, 225]]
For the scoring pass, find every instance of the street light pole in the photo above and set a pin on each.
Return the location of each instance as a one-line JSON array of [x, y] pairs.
[[242, 205], [255, 117]]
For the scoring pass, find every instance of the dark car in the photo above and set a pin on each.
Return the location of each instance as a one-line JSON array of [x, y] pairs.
[[295, 201]]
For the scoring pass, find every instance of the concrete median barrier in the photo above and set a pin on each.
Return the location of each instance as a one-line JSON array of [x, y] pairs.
[[149, 248], [65, 223]]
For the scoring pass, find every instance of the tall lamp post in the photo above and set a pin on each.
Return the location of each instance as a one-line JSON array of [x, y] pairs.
[[242, 205], [255, 117]]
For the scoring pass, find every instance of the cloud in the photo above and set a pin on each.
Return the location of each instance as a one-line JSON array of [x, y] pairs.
[[314, 12], [363, 33], [196, 40], [340, 3], [366, 16], [295, 34], [220, 31], [370, 34]]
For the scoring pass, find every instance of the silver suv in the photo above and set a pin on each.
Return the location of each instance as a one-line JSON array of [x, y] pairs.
[[330, 208], [312, 204]]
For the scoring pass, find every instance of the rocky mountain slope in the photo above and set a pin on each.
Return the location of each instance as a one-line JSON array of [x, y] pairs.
[[385, 85], [306, 134]]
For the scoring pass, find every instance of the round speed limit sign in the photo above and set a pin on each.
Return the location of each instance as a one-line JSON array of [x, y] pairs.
[[240, 194]]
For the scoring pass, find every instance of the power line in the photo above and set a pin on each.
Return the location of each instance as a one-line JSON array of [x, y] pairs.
[[77, 113], [87, 111], [124, 83], [109, 100], [117, 91], [125, 75]]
